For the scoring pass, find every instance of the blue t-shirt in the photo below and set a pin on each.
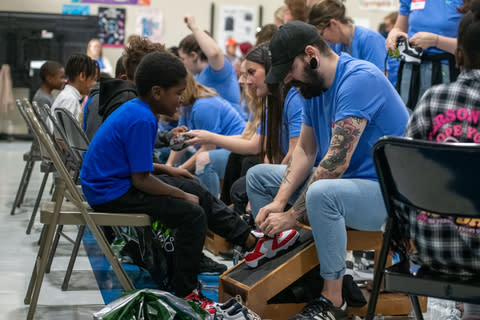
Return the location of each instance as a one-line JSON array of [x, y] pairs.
[[438, 16], [224, 81], [122, 145], [393, 64], [291, 118], [367, 45], [361, 90], [213, 114]]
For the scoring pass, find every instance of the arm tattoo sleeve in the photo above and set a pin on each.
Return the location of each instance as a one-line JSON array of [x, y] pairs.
[[345, 136]]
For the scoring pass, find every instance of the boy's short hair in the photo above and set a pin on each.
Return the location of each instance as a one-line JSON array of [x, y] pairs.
[[81, 63], [49, 68], [158, 69]]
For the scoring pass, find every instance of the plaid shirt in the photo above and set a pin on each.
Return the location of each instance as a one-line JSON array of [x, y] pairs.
[[447, 113]]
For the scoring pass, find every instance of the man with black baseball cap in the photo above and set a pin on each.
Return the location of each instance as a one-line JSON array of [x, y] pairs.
[[350, 104]]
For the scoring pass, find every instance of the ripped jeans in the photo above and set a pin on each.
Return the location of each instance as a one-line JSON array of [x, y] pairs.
[[211, 169]]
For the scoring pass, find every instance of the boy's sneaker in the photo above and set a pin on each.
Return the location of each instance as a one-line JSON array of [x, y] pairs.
[[204, 303], [268, 247], [322, 310], [208, 265], [241, 313], [229, 306]]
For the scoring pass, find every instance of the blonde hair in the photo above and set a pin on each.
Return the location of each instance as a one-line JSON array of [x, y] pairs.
[[255, 107], [279, 14], [88, 48], [195, 90]]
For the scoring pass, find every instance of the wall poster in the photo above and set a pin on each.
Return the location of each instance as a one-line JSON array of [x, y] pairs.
[[111, 22], [237, 22]]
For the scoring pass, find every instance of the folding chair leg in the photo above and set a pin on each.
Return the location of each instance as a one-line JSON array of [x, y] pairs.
[[416, 307], [54, 248], [73, 257], [52, 188], [25, 185], [380, 268], [42, 234], [38, 272], [20, 188], [37, 202]]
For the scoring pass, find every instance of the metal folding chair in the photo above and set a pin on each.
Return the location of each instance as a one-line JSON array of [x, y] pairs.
[[439, 178]]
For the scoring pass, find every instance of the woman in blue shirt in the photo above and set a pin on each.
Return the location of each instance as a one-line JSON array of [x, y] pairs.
[[431, 25], [328, 16], [275, 140], [203, 109]]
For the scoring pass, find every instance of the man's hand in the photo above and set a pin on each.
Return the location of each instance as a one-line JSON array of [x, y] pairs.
[[265, 212], [178, 172], [190, 22], [191, 197], [277, 222]]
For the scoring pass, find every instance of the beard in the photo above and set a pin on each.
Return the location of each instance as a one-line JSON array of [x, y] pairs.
[[313, 85]]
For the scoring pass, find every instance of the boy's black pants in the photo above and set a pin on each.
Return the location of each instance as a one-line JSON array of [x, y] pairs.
[[190, 220]]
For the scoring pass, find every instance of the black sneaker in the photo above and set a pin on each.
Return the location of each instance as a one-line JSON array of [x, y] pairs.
[[322, 310], [210, 266]]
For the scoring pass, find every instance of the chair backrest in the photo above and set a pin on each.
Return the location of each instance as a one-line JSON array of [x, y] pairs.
[[76, 198], [75, 135], [439, 178], [35, 145]]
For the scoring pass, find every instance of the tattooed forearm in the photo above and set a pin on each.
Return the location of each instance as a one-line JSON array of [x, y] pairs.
[[345, 136], [287, 173]]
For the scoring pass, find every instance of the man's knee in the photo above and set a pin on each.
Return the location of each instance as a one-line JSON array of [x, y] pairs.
[[322, 194], [202, 160], [255, 173]]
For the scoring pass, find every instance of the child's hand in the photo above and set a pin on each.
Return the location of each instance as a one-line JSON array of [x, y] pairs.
[[191, 197]]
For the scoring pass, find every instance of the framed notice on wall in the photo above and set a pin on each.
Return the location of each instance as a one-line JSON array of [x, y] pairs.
[[384, 5], [111, 22], [237, 22], [149, 23]]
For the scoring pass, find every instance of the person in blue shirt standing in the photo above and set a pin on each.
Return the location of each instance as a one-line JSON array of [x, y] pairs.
[[431, 25], [203, 58], [349, 105], [118, 174], [328, 16]]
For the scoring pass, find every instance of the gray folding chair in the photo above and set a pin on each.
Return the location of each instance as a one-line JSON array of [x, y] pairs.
[[55, 213], [30, 157]]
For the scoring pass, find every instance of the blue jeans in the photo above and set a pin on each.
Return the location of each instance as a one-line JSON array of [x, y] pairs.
[[332, 204], [214, 170]]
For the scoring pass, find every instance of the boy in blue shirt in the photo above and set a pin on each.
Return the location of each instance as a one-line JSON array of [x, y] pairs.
[[350, 104], [118, 174]]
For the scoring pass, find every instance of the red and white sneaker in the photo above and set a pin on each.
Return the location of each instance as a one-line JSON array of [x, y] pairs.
[[268, 247], [204, 303]]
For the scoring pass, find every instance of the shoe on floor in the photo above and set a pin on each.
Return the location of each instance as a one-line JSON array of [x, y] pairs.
[[225, 308], [211, 266], [202, 301], [322, 310], [269, 247], [239, 313]]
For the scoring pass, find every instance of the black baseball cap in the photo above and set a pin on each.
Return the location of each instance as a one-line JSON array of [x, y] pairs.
[[289, 41]]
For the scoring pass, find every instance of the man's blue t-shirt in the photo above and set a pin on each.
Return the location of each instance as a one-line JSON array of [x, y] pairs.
[[438, 16], [122, 145], [291, 118], [360, 90], [213, 114], [367, 45], [225, 82]]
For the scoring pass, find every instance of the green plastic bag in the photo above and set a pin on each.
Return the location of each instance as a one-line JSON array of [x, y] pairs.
[[150, 304]]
